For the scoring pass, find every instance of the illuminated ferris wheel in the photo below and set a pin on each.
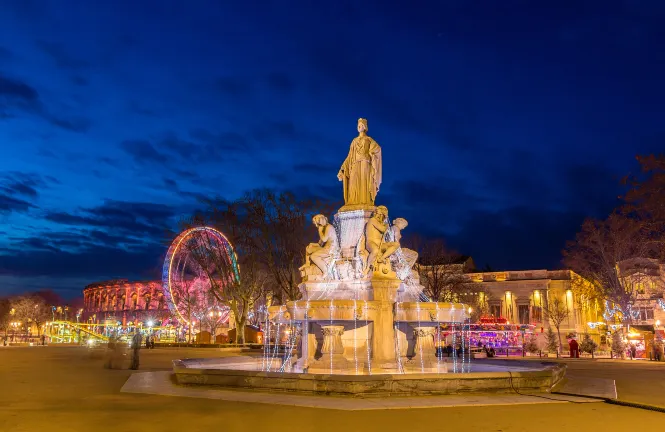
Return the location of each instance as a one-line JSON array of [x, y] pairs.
[[186, 285]]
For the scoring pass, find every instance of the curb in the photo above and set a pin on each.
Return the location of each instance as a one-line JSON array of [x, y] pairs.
[[635, 405], [618, 402]]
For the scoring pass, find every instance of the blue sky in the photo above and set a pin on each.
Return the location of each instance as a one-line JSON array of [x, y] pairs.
[[503, 124]]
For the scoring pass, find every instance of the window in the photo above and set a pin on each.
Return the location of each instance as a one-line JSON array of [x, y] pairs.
[[523, 313], [537, 314], [645, 313], [495, 310]]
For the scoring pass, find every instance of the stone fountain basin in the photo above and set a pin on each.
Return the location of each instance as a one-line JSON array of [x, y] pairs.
[[485, 377], [365, 310], [424, 312], [324, 310]]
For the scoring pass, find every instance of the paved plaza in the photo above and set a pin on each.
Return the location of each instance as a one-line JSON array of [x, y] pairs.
[[59, 388]]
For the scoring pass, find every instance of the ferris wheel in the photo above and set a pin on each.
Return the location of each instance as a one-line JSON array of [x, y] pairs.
[[186, 285]]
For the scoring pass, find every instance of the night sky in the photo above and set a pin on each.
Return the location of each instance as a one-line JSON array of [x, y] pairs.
[[503, 124]]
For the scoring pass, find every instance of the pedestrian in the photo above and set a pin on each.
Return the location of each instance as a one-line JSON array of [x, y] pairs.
[[136, 347], [43, 340], [110, 351], [574, 348], [633, 351]]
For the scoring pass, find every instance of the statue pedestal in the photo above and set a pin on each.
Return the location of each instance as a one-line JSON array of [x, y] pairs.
[[351, 226]]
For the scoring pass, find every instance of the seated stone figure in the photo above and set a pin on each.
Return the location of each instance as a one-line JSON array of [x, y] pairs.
[[319, 255], [379, 250]]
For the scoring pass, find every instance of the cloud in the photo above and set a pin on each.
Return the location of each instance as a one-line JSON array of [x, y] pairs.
[[25, 187], [9, 204], [61, 57], [170, 183], [15, 94], [143, 151], [73, 124], [313, 168], [115, 239], [280, 82], [135, 107], [207, 147], [272, 131], [80, 80], [95, 263], [17, 90], [19, 191], [130, 219], [225, 141]]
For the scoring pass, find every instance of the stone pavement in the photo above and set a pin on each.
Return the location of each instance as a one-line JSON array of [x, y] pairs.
[[638, 381], [61, 389]]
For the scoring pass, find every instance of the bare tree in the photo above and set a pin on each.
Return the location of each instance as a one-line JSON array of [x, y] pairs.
[[213, 313], [5, 315], [645, 200], [231, 287], [444, 276], [187, 291], [599, 249], [273, 227], [31, 309], [556, 312]]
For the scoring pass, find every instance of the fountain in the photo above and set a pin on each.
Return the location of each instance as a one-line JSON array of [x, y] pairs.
[[363, 325]]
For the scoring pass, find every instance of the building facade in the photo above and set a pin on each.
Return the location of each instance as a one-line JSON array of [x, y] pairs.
[[521, 297], [124, 301]]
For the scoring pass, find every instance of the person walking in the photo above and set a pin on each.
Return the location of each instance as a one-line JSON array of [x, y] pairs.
[[574, 349], [136, 347]]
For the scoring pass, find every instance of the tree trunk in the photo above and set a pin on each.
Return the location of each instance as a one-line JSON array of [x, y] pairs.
[[560, 345], [241, 320]]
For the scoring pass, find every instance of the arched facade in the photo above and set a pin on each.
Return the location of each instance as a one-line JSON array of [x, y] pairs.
[[124, 301]]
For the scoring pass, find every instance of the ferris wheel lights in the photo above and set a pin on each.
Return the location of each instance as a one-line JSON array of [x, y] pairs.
[[173, 271]]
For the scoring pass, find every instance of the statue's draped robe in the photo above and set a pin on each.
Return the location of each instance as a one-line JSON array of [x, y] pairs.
[[362, 171]]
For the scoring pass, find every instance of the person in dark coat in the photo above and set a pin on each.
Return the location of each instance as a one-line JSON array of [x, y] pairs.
[[574, 349], [136, 347]]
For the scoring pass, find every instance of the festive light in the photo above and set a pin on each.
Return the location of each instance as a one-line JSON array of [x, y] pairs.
[[661, 303], [168, 271]]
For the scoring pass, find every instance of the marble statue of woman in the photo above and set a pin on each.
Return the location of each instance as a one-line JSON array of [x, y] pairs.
[[320, 254], [361, 170]]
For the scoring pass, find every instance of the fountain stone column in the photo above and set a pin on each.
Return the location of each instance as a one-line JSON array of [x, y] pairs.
[[424, 350], [383, 337], [332, 351]]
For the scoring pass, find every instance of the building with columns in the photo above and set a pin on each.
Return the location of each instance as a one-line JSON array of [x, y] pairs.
[[124, 301], [519, 297]]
